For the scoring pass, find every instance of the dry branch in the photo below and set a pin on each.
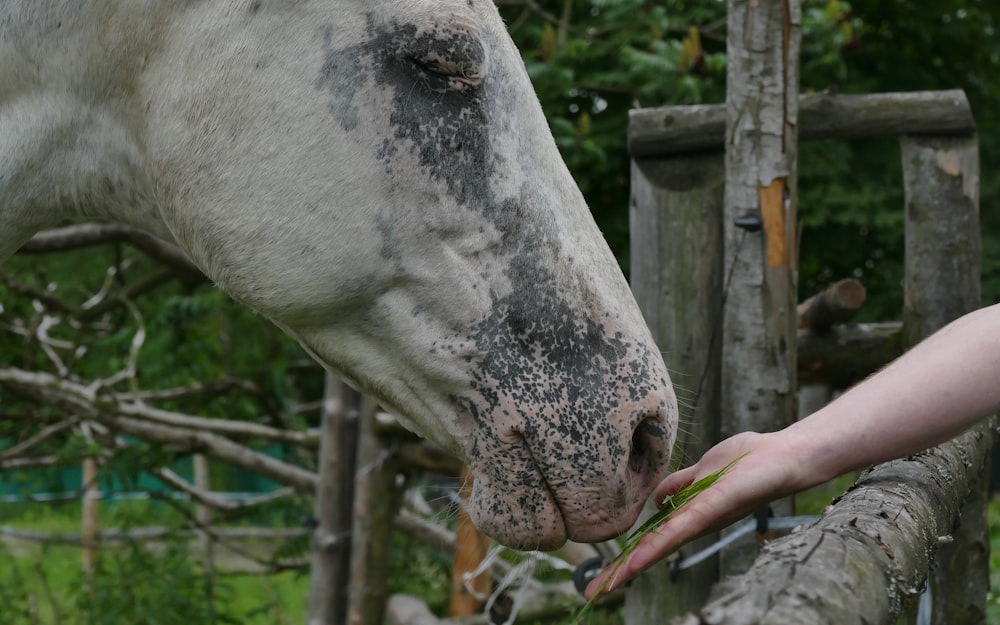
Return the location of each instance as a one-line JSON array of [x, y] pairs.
[[213, 500], [119, 405], [46, 433], [29, 462], [91, 234], [216, 446], [869, 553], [85, 401]]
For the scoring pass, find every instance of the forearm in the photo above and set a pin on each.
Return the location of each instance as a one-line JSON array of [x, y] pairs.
[[933, 392]]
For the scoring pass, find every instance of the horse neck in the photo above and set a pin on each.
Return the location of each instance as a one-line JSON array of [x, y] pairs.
[[70, 146]]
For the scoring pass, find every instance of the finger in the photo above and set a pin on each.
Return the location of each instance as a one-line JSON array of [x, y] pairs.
[[653, 547], [673, 483]]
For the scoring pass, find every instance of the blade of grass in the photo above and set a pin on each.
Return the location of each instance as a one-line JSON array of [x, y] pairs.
[[670, 504]]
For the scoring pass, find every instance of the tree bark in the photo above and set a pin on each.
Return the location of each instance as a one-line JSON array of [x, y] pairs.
[[869, 553]]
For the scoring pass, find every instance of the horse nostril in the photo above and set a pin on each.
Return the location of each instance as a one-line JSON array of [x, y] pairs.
[[643, 438]]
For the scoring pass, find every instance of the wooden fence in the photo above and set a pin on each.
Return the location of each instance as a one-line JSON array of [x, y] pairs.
[[683, 276]]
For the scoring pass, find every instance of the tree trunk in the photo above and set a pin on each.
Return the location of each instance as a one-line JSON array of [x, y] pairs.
[[676, 272], [760, 231]]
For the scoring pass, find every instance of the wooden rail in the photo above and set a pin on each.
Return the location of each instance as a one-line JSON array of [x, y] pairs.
[[673, 130]]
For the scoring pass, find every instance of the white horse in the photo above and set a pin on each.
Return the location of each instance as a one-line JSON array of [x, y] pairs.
[[378, 179]]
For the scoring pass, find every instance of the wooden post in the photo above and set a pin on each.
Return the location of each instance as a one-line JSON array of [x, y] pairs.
[[91, 519], [331, 552], [376, 498], [471, 548], [941, 283], [203, 515], [760, 229], [676, 273]]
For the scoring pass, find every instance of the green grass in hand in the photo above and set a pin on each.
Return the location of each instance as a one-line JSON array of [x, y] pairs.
[[671, 504]]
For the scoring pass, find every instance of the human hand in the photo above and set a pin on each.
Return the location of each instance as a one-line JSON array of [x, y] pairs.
[[767, 469]]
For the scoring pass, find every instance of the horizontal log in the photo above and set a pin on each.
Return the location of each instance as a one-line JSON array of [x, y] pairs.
[[670, 130], [835, 304], [867, 557], [846, 354]]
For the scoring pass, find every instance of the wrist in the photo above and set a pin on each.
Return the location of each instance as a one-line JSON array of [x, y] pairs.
[[810, 458]]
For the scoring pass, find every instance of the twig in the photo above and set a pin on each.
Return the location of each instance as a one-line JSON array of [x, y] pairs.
[[42, 436], [86, 235]]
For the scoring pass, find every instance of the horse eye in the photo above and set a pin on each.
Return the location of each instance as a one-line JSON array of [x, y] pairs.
[[443, 75]]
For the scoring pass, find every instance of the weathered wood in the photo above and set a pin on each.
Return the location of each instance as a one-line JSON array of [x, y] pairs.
[[672, 130], [676, 255], [203, 514], [835, 304], [758, 346], [376, 497], [867, 555], [90, 512], [846, 354], [330, 566], [468, 596], [941, 283]]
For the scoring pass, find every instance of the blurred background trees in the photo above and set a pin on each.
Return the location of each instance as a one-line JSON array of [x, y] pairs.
[[591, 61]]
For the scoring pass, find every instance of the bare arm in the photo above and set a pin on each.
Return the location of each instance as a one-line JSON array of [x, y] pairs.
[[932, 393]]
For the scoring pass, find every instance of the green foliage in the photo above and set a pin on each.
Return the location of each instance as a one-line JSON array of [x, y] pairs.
[[421, 571], [134, 584], [157, 583], [851, 193], [14, 595], [593, 60], [607, 57]]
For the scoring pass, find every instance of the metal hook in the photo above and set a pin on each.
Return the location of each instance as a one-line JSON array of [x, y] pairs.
[[751, 221]]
